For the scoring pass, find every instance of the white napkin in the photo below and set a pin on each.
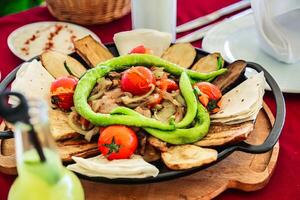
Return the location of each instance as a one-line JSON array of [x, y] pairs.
[[278, 27]]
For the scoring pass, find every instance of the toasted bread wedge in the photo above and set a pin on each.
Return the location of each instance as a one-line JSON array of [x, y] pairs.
[[76, 147], [226, 134], [59, 127], [91, 51], [188, 156], [182, 54]]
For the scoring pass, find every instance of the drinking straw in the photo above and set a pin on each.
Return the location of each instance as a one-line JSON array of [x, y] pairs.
[[20, 114]]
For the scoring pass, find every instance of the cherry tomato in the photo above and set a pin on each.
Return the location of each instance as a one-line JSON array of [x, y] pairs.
[[117, 142], [137, 80], [167, 85], [141, 49], [210, 96], [212, 91], [62, 90]]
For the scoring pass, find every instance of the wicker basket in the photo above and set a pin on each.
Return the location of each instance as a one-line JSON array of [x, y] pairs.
[[88, 11]]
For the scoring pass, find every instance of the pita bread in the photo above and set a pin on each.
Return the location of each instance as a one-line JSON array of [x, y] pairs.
[[33, 81], [157, 41], [99, 166], [243, 102], [188, 156]]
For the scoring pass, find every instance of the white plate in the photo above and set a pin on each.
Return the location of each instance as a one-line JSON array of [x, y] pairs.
[[42, 30], [237, 39]]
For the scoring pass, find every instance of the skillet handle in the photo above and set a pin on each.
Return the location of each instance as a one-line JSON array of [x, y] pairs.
[[273, 137]]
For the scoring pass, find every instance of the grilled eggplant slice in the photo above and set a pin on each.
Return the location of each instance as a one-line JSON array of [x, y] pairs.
[[91, 51], [182, 54], [59, 64], [209, 63], [230, 78]]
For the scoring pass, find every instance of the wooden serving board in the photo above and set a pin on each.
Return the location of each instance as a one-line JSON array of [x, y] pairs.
[[243, 171]]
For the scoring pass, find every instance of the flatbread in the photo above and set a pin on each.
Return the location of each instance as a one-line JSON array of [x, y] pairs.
[[157, 41], [33, 81], [99, 166], [242, 98], [243, 102]]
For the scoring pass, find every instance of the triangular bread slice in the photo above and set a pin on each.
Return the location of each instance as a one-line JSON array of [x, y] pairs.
[[157, 41]]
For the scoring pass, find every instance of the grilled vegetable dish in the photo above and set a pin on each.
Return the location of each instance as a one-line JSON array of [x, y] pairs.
[[153, 102]]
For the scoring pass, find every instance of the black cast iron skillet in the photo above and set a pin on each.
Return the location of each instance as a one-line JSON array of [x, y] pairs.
[[165, 173]]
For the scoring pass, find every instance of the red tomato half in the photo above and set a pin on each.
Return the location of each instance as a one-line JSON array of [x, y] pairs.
[[137, 80], [62, 90], [117, 142]]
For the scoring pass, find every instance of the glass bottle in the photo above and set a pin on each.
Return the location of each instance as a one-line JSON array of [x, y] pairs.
[[48, 180]]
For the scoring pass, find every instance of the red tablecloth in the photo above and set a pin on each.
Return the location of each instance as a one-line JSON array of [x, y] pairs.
[[285, 183]]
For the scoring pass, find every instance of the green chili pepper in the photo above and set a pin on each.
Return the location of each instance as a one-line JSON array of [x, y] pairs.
[[89, 79], [190, 100], [82, 92], [220, 62], [178, 136], [130, 60]]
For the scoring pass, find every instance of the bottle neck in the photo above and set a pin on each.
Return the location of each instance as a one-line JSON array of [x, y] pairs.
[[28, 159]]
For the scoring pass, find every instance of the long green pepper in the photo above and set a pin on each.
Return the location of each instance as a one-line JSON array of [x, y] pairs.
[[172, 133], [84, 88], [186, 90], [118, 64]]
